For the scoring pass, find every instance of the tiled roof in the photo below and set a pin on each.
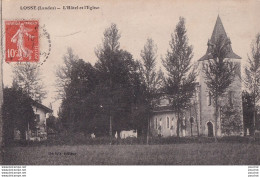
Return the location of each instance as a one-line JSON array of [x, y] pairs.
[[167, 108], [218, 31], [39, 105], [231, 54]]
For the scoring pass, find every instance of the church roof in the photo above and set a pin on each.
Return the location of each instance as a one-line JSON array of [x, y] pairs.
[[167, 108], [218, 31]]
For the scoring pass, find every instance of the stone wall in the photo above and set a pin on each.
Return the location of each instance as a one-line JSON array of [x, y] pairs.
[[160, 118], [186, 126], [207, 110], [233, 110]]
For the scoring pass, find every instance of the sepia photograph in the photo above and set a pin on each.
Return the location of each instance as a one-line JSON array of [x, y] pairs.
[[130, 82]]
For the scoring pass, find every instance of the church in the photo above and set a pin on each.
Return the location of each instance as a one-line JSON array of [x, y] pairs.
[[198, 119]]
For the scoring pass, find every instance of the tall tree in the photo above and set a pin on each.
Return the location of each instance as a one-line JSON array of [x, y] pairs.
[[219, 72], [180, 83], [252, 75], [151, 79], [63, 73], [107, 58], [79, 93], [116, 71], [28, 77]]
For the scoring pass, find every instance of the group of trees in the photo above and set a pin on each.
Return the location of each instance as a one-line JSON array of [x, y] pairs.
[[18, 114], [252, 83], [117, 91], [96, 97]]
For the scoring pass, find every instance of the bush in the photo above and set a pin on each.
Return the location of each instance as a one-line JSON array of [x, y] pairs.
[[85, 139]]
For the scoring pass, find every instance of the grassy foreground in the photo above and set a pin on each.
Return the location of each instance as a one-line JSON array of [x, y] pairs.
[[173, 154]]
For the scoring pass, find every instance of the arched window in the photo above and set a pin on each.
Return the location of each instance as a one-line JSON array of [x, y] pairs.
[[209, 98], [231, 98], [210, 129]]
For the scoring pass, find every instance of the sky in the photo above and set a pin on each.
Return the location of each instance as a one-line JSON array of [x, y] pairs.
[[82, 30]]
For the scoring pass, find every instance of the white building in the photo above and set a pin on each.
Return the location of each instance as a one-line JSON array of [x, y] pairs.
[[40, 133]]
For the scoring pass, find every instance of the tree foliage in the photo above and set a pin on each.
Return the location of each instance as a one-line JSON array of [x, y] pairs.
[[94, 94], [64, 72], [248, 112], [78, 96], [53, 125], [151, 80], [17, 113], [252, 75], [230, 120], [117, 79], [252, 71], [219, 71], [28, 77], [180, 83]]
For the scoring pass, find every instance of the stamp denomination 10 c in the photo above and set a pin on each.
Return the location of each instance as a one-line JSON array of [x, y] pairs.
[[22, 41]]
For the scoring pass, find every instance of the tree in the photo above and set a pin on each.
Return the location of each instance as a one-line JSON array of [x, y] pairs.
[[231, 122], [219, 72], [248, 112], [91, 93], [252, 75], [116, 72], [17, 112], [28, 77], [63, 73], [180, 83], [151, 79], [78, 96], [76, 81], [53, 125]]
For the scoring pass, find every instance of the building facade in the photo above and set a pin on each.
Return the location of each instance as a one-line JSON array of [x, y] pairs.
[[163, 122], [41, 114], [198, 119], [40, 131]]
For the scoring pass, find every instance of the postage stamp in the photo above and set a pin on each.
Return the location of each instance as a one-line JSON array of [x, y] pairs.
[[22, 41]]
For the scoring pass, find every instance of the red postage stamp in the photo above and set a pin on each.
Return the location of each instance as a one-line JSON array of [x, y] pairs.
[[22, 41]]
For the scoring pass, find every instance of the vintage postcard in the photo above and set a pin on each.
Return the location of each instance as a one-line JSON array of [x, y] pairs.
[[130, 82]]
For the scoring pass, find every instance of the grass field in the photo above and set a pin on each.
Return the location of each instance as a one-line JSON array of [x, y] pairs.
[[173, 154]]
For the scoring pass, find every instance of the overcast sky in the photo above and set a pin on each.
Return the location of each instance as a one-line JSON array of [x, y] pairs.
[[82, 30]]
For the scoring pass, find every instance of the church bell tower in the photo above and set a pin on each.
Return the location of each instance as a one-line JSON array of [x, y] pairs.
[[232, 95]]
